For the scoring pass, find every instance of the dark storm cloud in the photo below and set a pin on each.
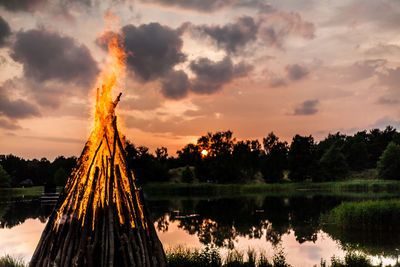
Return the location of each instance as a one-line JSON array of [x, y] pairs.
[[271, 28], [176, 85], [296, 72], [22, 5], [16, 108], [5, 31], [232, 35], [153, 49], [50, 56], [9, 124], [213, 5], [308, 107], [211, 75]]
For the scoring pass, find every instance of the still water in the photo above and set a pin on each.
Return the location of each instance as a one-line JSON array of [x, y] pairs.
[[262, 222]]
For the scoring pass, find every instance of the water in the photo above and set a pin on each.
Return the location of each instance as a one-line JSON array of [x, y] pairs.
[[262, 222]]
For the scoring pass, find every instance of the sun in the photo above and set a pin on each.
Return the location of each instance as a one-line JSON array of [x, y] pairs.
[[204, 152]]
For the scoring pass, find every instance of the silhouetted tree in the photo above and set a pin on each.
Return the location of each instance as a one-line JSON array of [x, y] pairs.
[[333, 165], [274, 160], [389, 162], [5, 179], [246, 157], [187, 175], [301, 158], [60, 177]]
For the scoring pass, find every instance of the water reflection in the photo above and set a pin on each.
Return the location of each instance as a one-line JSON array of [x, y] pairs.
[[263, 222], [221, 221]]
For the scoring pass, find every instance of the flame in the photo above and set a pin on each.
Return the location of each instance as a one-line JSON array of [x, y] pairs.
[[109, 78]]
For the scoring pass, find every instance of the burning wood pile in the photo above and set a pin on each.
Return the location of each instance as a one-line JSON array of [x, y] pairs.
[[100, 218]]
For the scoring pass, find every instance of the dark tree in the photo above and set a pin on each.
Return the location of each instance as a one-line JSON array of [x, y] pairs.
[[389, 162], [333, 165], [246, 157], [274, 160], [301, 158], [187, 175], [5, 179]]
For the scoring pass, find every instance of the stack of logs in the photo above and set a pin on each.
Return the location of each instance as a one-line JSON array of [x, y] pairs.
[[100, 218]]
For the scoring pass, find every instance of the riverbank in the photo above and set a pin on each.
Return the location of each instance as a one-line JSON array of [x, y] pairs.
[[33, 191], [348, 186], [352, 186]]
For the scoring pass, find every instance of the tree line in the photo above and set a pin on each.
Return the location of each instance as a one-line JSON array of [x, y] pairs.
[[220, 158]]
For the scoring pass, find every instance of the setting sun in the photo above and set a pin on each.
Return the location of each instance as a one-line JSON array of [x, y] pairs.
[[204, 152]]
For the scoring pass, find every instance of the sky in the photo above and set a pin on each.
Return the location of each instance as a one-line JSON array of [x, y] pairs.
[[197, 66]]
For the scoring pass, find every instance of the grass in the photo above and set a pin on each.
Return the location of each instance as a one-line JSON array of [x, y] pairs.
[[348, 186], [366, 215], [20, 191], [9, 261], [210, 257]]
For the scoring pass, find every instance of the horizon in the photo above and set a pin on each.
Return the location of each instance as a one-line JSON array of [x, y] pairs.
[[193, 67]]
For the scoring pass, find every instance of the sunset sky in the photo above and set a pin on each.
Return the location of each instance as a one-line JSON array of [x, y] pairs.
[[195, 66]]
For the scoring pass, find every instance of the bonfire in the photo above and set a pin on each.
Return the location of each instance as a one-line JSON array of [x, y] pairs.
[[100, 218]]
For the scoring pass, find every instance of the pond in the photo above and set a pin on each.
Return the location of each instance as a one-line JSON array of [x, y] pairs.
[[265, 223]]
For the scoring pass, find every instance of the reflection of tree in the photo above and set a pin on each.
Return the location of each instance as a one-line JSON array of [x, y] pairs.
[[221, 221], [376, 243], [16, 212]]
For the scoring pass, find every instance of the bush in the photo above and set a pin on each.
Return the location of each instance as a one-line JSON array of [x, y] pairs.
[[8, 261], [352, 260], [187, 175], [389, 163], [367, 215]]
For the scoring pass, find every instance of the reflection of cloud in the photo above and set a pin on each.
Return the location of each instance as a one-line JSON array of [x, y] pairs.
[[22, 239], [313, 252]]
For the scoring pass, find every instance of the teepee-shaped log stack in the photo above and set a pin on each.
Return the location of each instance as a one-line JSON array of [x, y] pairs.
[[100, 219]]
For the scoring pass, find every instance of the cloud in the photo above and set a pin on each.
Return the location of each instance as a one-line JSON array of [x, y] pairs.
[[231, 36], [277, 82], [276, 27], [5, 31], [390, 78], [9, 124], [16, 108], [23, 5], [176, 85], [387, 101], [383, 49], [213, 5], [308, 107], [153, 50], [296, 72], [211, 75], [50, 56], [270, 28]]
